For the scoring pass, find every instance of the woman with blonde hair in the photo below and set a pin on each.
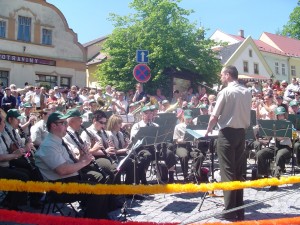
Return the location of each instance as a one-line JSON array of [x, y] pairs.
[[117, 139]]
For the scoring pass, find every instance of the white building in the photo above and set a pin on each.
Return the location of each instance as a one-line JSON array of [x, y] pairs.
[[37, 46]]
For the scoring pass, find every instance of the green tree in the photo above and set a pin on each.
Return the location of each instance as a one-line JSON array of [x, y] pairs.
[[174, 44], [292, 28]]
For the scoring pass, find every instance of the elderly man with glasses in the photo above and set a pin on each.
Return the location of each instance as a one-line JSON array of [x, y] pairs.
[[57, 162]]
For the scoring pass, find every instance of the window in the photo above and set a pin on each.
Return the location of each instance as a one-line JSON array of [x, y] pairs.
[[256, 68], [65, 82], [47, 80], [24, 29], [250, 53], [2, 28], [277, 68], [293, 70], [4, 78], [245, 66], [283, 69], [47, 37]]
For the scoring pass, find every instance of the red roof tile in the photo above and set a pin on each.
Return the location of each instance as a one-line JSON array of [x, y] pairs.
[[289, 46], [264, 47]]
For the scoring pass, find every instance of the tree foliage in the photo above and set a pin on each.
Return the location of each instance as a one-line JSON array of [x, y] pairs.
[[163, 28], [292, 28]]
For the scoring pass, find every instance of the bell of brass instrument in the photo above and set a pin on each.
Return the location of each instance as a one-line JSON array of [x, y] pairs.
[[100, 102], [138, 109], [172, 107]]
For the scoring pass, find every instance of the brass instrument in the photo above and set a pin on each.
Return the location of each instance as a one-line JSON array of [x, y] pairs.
[[153, 101], [101, 102], [104, 103], [172, 107], [138, 109]]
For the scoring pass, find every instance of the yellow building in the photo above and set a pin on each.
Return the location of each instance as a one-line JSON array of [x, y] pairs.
[[94, 58], [37, 46]]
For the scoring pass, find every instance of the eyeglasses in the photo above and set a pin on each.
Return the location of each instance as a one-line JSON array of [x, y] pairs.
[[101, 122], [65, 123], [37, 88]]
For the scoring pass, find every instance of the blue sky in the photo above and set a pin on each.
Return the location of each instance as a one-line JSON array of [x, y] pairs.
[[89, 18]]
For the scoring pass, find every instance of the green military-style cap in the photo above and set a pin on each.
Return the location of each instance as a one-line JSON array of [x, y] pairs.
[[188, 114], [73, 113], [14, 113], [280, 110], [293, 103], [154, 107], [146, 108], [203, 106], [53, 117], [27, 105]]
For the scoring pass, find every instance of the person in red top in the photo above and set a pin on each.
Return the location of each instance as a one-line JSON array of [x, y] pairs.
[[52, 99]]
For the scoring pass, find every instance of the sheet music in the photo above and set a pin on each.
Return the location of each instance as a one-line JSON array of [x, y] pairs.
[[133, 148], [127, 118], [201, 133]]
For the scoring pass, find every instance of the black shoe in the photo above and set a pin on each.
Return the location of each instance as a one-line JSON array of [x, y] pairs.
[[227, 218], [273, 188], [240, 217], [15, 208], [171, 177]]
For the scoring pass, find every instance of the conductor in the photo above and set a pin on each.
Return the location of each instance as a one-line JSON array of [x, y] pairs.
[[232, 115]]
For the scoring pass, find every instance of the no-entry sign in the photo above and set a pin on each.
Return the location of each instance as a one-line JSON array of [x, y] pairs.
[[141, 73]]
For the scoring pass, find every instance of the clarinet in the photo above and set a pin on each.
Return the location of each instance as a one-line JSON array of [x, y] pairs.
[[109, 142], [96, 139], [18, 145], [83, 149]]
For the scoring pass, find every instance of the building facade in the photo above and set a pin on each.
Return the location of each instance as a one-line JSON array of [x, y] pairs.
[[38, 47]]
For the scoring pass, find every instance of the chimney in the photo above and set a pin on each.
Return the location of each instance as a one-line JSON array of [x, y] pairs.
[[241, 33]]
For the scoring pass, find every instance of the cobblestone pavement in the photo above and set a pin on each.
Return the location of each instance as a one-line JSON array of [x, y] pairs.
[[184, 208]]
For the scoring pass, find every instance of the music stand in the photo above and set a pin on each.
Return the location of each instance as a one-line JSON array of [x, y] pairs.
[[295, 119], [249, 136], [131, 152], [275, 128], [195, 112], [202, 120], [196, 133], [164, 119]]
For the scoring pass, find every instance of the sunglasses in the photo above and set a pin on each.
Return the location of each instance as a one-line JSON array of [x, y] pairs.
[[65, 123], [101, 122]]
